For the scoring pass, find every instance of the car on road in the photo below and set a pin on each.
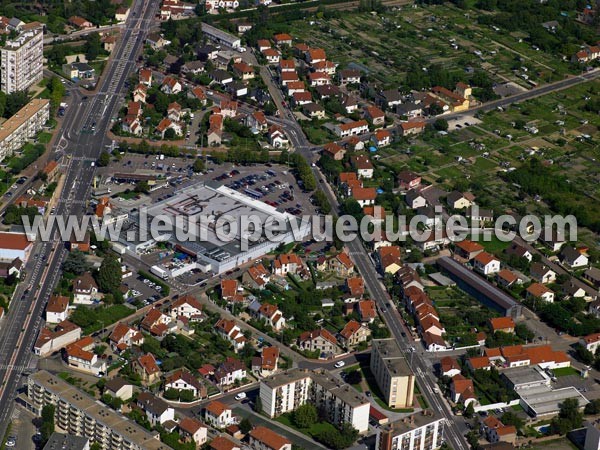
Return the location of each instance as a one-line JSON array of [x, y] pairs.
[[11, 441], [339, 364], [240, 396]]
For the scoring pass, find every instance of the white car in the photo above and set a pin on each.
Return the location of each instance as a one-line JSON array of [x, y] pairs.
[[339, 364], [240, 396]]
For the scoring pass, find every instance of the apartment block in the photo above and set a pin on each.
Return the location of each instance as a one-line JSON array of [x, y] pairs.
[[420, 431], [392, 373], [336, 400], [21, 59], [78, 414], [24, 125]]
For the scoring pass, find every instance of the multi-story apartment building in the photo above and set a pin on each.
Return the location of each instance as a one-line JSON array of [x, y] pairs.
[[392, 373], [336, 400], [421, 431], [21, 59], [24, 125], [79, 414]]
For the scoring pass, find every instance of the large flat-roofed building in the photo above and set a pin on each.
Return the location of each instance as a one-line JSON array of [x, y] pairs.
[[481, 289], [338, 401], [205, 206], [79, 414], [421, 431], [21, 59], [220, 36], [24, 125], [392, 373], [545, 402], [523, 379]]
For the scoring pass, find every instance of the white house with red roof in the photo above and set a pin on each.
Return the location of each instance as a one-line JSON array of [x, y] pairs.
[[218, 414], [123, 336], [192, 430], [182, 380], [231, 332], [271, 315], [188, 307], [486, 263], [57, 309], [147, 368]]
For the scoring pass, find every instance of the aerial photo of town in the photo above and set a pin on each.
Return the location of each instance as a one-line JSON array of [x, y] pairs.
[[288, 225]]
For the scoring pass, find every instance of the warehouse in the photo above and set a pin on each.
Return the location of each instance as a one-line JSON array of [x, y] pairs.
[[220, 36]]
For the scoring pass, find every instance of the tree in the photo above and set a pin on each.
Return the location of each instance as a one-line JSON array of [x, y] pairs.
[[305, 416], [469, 410], [142, 186], [104, 159], [245, 425], [198, 165], [93, 46], [95, 446], [354, 377], [47, 427], [109, 275], [510, 418], [170, 133], [583, 354], [441, 125], [75, 263], [593, 407], [569, 417], [258, 405]]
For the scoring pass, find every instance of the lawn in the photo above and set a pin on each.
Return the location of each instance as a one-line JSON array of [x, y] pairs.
[[314, 430], [565, 371]]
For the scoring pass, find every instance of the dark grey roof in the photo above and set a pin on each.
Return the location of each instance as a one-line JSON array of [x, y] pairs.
[[116, 383], [60, 441], [151, 403]]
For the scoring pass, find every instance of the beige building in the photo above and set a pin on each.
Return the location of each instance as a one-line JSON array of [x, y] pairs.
[[21, 59], [79, 414], [392, 373], [24, 125], [338, 402]]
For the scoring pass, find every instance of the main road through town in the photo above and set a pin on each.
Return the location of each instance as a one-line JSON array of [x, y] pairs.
[[82, 137]]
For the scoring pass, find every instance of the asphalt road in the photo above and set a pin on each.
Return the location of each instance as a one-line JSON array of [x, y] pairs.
[[21, 326]]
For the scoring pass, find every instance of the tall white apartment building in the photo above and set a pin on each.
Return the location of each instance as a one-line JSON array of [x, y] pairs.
[[78, 414], [21, 59], [420, 431], [340, 402]]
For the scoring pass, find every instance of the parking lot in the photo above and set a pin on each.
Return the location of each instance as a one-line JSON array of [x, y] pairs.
[[141, 290]]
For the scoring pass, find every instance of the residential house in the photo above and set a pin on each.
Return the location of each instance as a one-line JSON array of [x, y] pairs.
[[462, 390], [503, 324], [349, 76], [277, 137], [467, 250], [459, 200], [119, 388], [257, 121], [282, 39], [315, 55], [381, 138], [366, 310], [271, 315], [147, 368], [335, 151], [124, 336], [53, 340], [80, 22], [80, 356], [486, 263], [363, 166], [592, 275], [145, 76], [256, 277], [223, 443], [507, 278], [157, 410], [229, 331], [221, 77], [375, 115], [188, 307], [192, 430], [408, 180], [389, 258], [449, 367], [272, 55], [287, 263], [85, 289], [320, 340], [182, 380], [591, 342], [538, 290], [412, 128], [414, 199], [572, 258], [351, 128], [230, 371], [353, 334], [155, 322], [266, 364], [171, 86], [57, 309], [313, 110], [263, 438], [542, 273], [193, 68], [519, 251], [364, 196]]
